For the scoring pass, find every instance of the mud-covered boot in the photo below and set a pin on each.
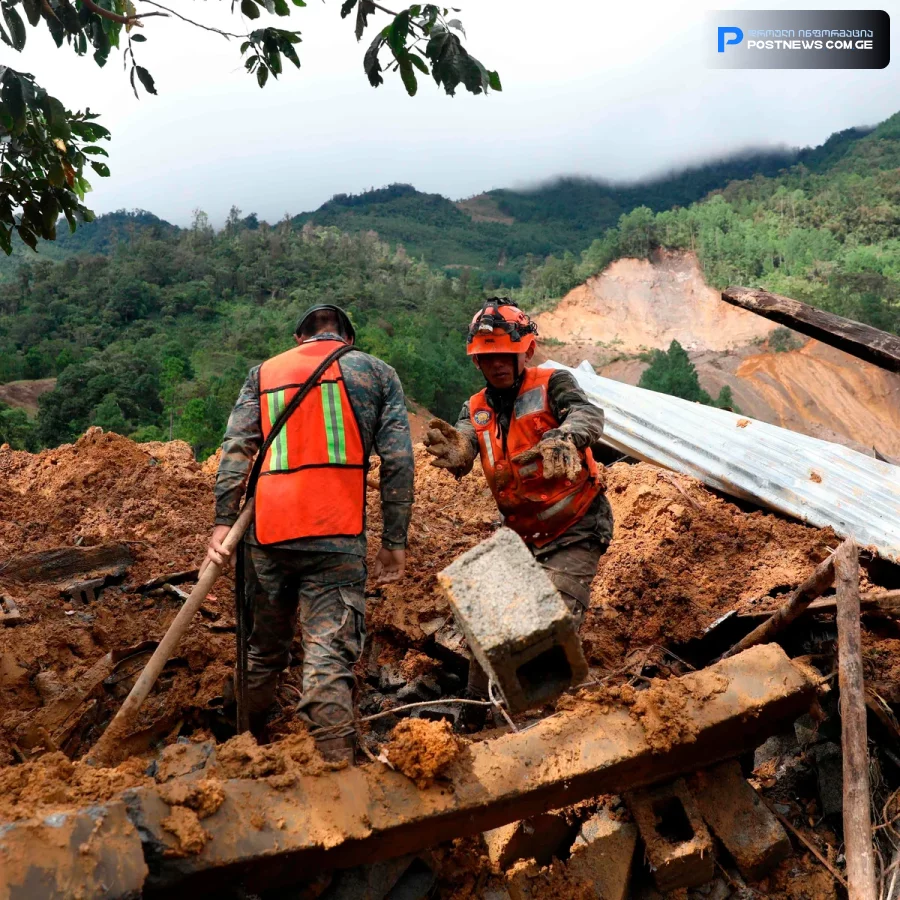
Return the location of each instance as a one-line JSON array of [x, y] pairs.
[[338, 749]]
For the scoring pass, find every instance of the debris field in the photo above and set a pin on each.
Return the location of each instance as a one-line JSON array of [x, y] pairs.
[[100, 541]]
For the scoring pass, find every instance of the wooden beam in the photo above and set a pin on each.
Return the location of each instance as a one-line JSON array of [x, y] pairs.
[[859, 849], [862, 341]]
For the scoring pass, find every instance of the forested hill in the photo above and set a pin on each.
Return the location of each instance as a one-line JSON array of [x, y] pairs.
[[499, 231], [826, 231]]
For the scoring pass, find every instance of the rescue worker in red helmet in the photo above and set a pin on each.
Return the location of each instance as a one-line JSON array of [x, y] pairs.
[[534, 429]]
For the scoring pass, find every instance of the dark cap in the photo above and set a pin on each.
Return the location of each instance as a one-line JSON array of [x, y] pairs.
[[347, 325]]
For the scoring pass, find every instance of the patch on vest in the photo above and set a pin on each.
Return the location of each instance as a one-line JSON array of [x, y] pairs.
[[482, 417]]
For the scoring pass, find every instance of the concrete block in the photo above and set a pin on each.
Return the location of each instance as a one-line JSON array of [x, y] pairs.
[[516, 624], [678, 844], [602, 856], [540, 838], [740, 820], [830, 778]]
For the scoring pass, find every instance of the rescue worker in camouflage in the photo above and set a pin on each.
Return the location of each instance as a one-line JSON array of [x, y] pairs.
[[534, 429], [307, 574]]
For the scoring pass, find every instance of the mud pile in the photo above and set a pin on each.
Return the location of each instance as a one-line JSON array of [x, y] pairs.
[[681, 558]]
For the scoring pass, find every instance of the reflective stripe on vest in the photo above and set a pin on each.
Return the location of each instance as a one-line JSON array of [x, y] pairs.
[[540, 510], [312, 482]]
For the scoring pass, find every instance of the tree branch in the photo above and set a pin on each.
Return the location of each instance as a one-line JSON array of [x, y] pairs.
[[115, 17], [171, 12]]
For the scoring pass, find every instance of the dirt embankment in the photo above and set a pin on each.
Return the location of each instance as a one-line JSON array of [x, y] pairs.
[[25, 394], [637, 305]]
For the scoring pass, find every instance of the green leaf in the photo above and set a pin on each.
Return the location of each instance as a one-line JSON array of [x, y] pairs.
[[55, 174], [408, 76], [146, 79], [287, 48], [299, 2], [366, 9], [33, 11], [5, 37], [419, 63], [371, 63], [94, 151], [6, 239], [57, 118], [251, 62], [27, 235], [262, 75], [281, 8], [455, 23], [494, 81], [398, 31], [274, 61], [14, 100], [139, 38], [347, 8], [250, 9], [16, 27], [102, 169]]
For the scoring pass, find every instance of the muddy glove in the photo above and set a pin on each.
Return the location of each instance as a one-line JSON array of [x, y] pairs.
[[450, 448], [561, 457]]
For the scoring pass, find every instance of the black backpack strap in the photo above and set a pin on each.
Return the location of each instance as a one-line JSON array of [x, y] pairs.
[[243, 608]]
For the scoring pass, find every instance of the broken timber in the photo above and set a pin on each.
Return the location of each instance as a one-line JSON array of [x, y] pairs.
[[67, 562], [795, 605], [859, 849], [361, 815], [862, 341]]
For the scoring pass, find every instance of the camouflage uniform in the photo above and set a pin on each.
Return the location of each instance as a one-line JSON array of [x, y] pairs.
[[571, 559], [319, 581]]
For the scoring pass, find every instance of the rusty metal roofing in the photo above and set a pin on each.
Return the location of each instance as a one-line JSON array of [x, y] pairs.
[[813, 480]]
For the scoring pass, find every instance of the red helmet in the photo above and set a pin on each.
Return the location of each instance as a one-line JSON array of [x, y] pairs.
[[500, 327]]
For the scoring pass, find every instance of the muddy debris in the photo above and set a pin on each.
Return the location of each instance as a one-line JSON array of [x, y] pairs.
[[682, 557], [422, 749]]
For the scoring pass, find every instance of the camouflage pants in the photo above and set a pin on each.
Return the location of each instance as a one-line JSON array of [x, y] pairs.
[[571, 568], [324, 594]]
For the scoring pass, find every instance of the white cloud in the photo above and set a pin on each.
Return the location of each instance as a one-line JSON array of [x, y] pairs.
[[611, 90]]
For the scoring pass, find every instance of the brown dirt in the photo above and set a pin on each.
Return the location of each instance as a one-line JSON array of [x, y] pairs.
[[681, 557], [421, 750], [25, 394], [185, 824]]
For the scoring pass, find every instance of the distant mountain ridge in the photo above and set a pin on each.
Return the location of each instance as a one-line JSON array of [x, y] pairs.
[[502, 232]]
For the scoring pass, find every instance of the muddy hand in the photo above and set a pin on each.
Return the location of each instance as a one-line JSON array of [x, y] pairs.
[[560, 456], [389, 565], [449, 448], [215, 551]]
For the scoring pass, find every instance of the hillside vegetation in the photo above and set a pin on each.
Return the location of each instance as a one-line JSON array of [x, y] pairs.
[[150, 329], [827, 234], [157, 338]]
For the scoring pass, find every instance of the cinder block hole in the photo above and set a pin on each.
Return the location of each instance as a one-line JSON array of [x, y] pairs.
[[546, 674], [672, 823]]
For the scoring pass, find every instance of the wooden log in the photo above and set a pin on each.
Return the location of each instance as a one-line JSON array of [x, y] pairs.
[[67, 562], [877, 603], [795, 605], [859, 849], [107, 750], [862, 341]]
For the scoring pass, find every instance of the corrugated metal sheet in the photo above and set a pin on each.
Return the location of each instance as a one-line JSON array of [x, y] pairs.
[[816, 481]]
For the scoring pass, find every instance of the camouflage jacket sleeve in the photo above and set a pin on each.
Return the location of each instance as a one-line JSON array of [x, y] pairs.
[[578, 417], [394, 445], [465, 427], [243, 438]]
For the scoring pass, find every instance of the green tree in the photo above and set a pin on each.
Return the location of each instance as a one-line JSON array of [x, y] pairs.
[[45, 148], [672, 372], [16, 429], [108, 415]]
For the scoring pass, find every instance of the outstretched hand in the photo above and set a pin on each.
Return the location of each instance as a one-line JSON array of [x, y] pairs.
[[560, 456], [450, 449]]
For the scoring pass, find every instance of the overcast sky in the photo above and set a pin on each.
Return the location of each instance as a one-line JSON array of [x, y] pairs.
[[613, 90]]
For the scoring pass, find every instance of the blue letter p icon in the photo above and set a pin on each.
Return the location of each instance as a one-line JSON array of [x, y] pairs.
[[737, 37]]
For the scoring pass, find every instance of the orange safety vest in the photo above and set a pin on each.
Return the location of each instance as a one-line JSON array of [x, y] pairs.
[[313, 479], [537, 509]]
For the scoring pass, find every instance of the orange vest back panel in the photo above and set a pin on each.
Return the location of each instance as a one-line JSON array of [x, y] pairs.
[[537, 509], [313, 481]]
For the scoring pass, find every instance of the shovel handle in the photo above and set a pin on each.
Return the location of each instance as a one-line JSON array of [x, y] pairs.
[[105, 749]]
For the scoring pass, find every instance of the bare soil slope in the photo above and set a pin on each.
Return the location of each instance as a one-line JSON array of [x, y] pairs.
[[25, 394], [641, 304]]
